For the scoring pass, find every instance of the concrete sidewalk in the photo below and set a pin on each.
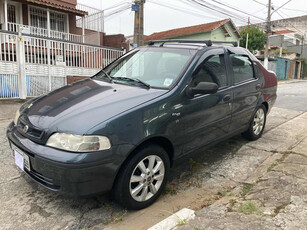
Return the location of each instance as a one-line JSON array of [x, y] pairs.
[[8, 108], [273, 195]]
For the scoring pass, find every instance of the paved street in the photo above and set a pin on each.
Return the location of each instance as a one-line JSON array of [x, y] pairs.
[[238, 184], [292, 95]]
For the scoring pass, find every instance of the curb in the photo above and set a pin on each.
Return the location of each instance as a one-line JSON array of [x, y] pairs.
[[281, 82], [182, 216]]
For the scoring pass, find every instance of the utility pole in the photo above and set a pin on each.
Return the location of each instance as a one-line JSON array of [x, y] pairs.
[[268, 29], [247, 34], [281, 43], [302, 51], [138, 37], [302, 45]]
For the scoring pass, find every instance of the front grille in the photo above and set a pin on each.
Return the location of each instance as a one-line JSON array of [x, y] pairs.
[[29, 131]]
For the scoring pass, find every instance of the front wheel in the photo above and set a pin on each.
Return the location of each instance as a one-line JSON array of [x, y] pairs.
[[257, 125], [143, 178]]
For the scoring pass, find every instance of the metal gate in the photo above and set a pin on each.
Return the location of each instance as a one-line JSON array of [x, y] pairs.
[[32, 65]]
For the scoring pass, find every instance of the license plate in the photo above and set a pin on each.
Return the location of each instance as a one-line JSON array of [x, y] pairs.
[[21, 159]]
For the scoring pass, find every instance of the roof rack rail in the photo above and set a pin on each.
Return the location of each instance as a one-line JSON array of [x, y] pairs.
[[207, 42], [235, 44]]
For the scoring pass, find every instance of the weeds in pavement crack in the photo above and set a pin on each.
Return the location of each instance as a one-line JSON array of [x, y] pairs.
[[181, 222], [248, 208], [246, 189], [272, 166]]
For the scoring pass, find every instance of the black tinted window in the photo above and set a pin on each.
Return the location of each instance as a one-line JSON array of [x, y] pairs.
[[213, 69], [258, 71], [242, 68]]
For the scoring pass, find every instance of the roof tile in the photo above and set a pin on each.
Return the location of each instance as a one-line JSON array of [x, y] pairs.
[[185, 30], [59, 6], [282, 32]]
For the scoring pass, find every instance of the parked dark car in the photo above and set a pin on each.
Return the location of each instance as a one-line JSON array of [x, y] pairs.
[[123, 128]]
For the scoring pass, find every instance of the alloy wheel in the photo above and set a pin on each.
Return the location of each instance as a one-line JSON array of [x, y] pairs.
[[147, 178], [258, 123]]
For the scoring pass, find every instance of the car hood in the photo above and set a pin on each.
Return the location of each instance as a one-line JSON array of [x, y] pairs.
[[80, 106]]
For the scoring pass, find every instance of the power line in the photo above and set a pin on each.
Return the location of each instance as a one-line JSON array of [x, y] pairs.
[[231, 13], [261, 10], [261, 3], [281, 6], [117, 5], [294, 10], [289, 23], [217, 9], [111, 16], [193, 13], [117, 11], [224, 12], [195, 5], [284, 14], [237, 9]]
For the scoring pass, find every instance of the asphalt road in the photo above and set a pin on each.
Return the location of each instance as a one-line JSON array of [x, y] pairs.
[[292, 96]]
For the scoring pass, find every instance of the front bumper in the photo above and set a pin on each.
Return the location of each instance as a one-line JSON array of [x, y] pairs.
[[68, 173]]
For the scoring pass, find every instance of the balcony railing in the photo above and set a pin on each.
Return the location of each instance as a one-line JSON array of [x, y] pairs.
[[31, 30]]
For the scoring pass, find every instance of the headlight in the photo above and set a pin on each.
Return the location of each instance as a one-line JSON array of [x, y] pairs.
[[78, 143], [16, 117]]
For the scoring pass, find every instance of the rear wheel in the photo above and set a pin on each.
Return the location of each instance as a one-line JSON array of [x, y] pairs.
[[143, 178], [257, 125]]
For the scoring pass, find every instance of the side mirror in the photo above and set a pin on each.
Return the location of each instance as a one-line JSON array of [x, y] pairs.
[[203, 88]]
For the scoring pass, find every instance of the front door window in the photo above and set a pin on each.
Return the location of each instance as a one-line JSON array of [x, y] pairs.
[[213, 69]]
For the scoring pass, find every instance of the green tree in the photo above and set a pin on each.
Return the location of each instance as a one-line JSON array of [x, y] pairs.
[[256, 39]]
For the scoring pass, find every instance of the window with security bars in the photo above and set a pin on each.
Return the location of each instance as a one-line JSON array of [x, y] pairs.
[[38, 18], [57, 21], [11, 13]]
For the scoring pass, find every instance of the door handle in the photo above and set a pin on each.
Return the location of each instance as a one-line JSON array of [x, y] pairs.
[[226, 97], [258, 86]]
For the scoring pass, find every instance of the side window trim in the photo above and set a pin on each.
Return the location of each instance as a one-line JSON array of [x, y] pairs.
[[207, 53]]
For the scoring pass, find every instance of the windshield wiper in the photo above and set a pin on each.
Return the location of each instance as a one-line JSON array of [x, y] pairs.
[[134, 80], [106, 74]]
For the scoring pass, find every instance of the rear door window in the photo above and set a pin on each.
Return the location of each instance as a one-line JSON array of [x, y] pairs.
[[242, 68]]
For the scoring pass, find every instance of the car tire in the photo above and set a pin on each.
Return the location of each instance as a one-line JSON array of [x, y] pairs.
[[257, 124], [142, 178]]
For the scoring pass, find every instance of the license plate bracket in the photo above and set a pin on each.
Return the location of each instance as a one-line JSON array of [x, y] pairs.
[[22, 160]]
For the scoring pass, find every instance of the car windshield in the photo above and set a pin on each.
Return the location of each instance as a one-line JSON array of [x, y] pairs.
[[150, 66]]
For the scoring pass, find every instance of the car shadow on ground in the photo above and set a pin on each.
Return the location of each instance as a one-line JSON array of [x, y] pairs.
[[204, 158]]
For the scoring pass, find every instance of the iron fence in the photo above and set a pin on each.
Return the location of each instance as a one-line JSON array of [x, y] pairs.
[[32, 65]]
